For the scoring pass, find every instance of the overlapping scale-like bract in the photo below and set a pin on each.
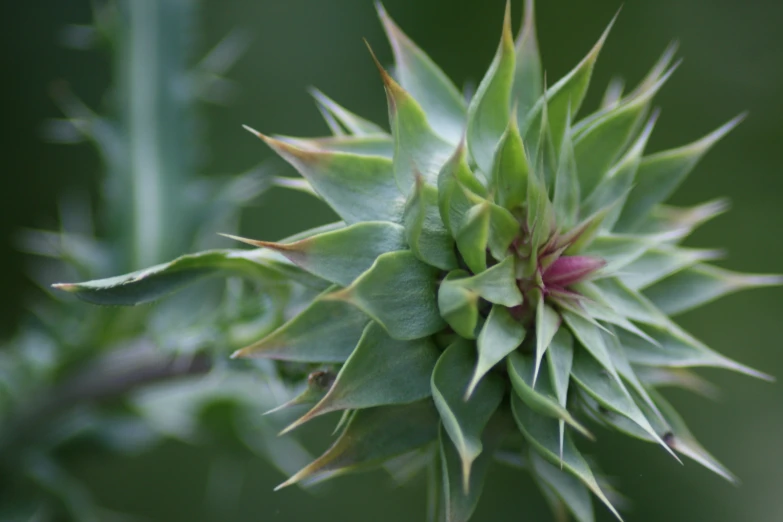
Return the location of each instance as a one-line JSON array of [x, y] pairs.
[[505, 265]]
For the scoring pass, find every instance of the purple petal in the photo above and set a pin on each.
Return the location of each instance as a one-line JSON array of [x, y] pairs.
[[569, 270]]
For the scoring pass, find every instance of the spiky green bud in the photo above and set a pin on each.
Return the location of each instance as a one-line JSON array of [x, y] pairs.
[[503, 268]]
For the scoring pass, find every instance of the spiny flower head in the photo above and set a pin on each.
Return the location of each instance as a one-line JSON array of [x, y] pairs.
[[503, 270]]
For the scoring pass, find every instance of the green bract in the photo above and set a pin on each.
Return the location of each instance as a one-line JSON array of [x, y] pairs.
[[503, 273]]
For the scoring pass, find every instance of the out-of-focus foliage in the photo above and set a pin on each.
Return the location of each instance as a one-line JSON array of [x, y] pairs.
[[118, 380]]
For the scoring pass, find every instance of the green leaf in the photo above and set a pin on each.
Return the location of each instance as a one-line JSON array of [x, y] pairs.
[[660, 174], [510, 168], [464, 419], [356, 125], [503, 229], [614, 187], [340, 256], [653, 377], [627, 302], [560, 357], [372, 436], [564, 96], [458, 305], [541, 400], [574, 495], [681, 221], [358, 188], [501, 335], [659, 263], [424, 229], [458, 190], [685, 443], [600, 144], [318, 383], [497, 284], [676, 349], [610, 392], [460, 502], [567, 183], [374, 145], [619, 250], [488, 112], [326, 332], [547, 324], [400, 293], [591, 338], [158, 281], [380, 371], [420, 76], [418, 151], [527, 71], [701, 284], [473, 237], [542, 434]]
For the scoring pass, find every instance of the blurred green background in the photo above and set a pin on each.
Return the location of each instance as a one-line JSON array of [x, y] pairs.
[[733, 62]]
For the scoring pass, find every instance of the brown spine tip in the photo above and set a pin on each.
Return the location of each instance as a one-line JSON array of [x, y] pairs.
[[67, 287]]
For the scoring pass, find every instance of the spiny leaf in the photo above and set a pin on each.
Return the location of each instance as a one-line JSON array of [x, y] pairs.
[[488, 112], [411, 310], [541, 400], [612, 95], [503, 229], [659, 263], [700, 284], [681, 221], [464, 419], [380, 371], [340, 256], [560, 356], [420, 76], [547, 324], [574, 495], [458, 190], [567, 94], [527, 71], [619, 250], [158, 281], [458, 305], [567, 182], [372, 436], [358, 188], [685, 443], [591, 338], [473, 237], [614, 187], [326, 331], [500, 335], [374, 145], [510, 168], [676, 349], [318, 383], [627, 302], [417, 149], [542, 434], [460, 501], [497, 284], [610, 392], [679, 378], [354, 124], [600, 144], [426, 233], [660, 174]]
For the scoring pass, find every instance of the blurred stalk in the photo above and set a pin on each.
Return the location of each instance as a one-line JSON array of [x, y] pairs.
[[151, 80]]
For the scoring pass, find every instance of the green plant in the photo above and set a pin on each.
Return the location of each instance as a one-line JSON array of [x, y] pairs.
[[77, 380], [503, 270]]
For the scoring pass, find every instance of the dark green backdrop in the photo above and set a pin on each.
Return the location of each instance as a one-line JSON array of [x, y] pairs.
[[733, 62]]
